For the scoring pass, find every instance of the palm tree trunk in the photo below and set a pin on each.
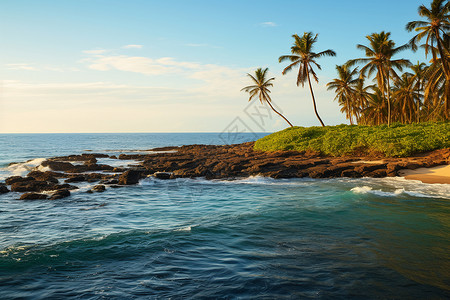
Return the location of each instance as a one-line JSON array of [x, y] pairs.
[[441, 53], [314, 100], [388, 101], [268, 102], [349, 113]]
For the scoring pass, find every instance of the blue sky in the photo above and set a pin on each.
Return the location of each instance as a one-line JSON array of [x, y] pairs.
[[172, 66]]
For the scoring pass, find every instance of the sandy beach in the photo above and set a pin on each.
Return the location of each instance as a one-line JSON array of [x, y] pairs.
[[440, 174]]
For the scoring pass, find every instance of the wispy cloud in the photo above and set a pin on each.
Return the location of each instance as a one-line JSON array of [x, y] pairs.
[[212, 79], [268, 24], [21, 66], [133, 47], [95, 51]]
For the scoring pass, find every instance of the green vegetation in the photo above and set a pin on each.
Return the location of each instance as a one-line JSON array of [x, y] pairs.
[[399, 140]]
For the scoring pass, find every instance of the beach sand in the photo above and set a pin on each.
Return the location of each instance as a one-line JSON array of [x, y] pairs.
[[440, 174]]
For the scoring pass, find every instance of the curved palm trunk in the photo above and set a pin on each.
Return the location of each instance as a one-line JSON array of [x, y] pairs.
[[314, 100], [279, 113], [441, 53]]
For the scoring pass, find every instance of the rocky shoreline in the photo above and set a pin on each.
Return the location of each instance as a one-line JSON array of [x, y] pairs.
[[212, 162]]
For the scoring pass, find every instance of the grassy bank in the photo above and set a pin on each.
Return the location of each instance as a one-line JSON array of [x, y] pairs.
[[397, 141]]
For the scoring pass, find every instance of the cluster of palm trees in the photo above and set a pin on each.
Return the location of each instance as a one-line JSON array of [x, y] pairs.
[[401, 91]]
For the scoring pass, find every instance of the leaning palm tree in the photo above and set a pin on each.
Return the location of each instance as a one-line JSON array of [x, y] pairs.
[[344, 86], [379, 59], [436, 30], [260, 88], [304, 57]]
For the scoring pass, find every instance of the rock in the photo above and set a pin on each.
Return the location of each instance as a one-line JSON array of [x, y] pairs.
[[33, 196], [109, 181], [3, 188], [45, 176], [31, 186], [99, 188], [78, 178], [130, 177], [13, 179], [60, 194], [58, 165], [65, 186], [164, 175]]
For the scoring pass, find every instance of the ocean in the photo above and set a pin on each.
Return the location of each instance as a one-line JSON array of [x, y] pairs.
[[241, 238]]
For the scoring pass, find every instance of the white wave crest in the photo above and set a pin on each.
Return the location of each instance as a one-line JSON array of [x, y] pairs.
[[361, 189], [21, 169]]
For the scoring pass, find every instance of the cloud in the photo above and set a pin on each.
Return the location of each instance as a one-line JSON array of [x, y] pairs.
[[133, 47], [95, 51], [21, 66], [268, 24]]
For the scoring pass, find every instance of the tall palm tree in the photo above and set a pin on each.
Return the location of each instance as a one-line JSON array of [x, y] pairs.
[[436, 29], [344, 87], [419, 70], [379, 59], [304, 57], [260, 88]]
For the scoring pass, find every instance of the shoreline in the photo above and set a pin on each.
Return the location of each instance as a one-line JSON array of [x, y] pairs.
[[60, 175], [439, 174]]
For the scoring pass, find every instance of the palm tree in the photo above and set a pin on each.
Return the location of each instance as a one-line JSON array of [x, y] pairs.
[[261, 89], [437, 24], [406, 97], [419, 70], [379, 59], [344, 87], [304, 57], [375, 111], [362, 95], [436, 30]]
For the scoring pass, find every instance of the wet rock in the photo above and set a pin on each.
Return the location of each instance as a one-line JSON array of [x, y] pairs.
[[109, 181], [65, 186], [132, 156], [78, 178], [33, 196], [60, 194], [99, 188], [130, 177], [31, 186], [164, 175], [45, 176], [13, 179], [3, 188], [58, 165]]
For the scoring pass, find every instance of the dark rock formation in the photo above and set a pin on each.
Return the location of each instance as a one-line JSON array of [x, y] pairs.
[[60, 194], [3, 188], [131, 177], [163, 175], [14, 179], [99, 188], [33, 196]]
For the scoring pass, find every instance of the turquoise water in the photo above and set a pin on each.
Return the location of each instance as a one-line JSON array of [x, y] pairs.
[[245, 238]]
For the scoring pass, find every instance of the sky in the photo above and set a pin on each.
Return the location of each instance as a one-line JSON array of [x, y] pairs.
[[175, 66]]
